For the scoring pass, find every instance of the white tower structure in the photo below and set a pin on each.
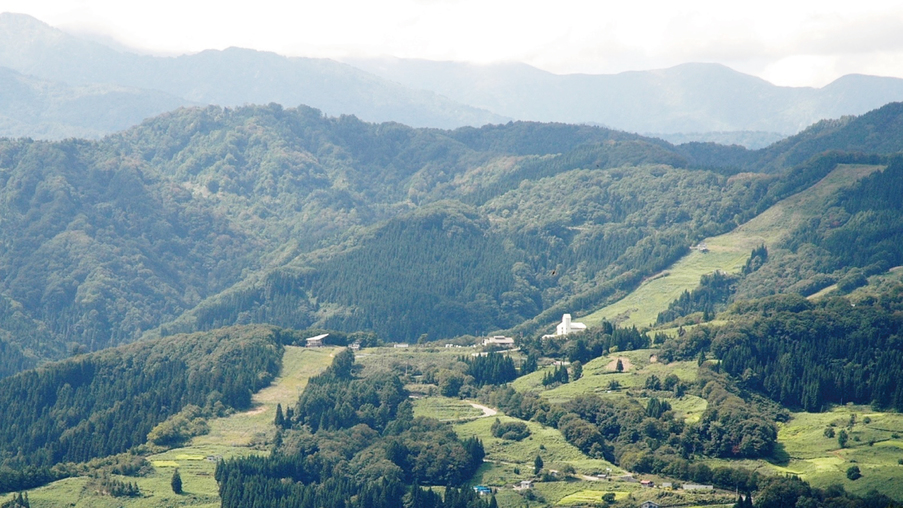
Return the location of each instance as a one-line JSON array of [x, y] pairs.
[[567, 326]]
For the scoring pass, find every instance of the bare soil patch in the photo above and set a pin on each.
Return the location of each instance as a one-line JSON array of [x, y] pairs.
[[625, 362]]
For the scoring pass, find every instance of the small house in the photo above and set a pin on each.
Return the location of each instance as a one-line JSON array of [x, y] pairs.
[[647, 483], [524, 485], [315, 341], [499, 340], [401, 345], [667, 485], [649, 504]]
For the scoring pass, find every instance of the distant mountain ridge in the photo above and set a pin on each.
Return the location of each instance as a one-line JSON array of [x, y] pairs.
[[42, 109], [692, 97], [232, 77], [689, 102]]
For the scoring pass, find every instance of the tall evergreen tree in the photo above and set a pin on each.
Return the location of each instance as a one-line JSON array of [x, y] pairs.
[[280, 418], [176, 482]]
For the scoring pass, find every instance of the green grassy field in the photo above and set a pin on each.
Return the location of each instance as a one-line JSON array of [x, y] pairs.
[[727, 252], [239, 434], [806, 452], [415, 356], [445, 409], [546, 442], [592, 497], [803, 448], [821, 461]]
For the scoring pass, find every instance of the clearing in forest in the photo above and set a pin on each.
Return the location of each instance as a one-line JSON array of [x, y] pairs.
[[727, 252]]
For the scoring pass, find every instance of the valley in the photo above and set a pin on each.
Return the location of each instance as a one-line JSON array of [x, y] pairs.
[[802, 449], [157, 287]]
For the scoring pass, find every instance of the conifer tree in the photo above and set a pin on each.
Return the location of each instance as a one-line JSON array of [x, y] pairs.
[[576, 370], [176, 482], [280, 418]]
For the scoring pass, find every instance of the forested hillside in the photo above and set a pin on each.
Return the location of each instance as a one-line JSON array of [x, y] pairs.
[[208, 217], [106, 403]]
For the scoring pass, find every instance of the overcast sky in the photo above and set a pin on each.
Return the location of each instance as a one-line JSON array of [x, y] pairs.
[[787, 42]]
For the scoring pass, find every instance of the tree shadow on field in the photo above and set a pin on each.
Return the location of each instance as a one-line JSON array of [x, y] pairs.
[[779, 457]]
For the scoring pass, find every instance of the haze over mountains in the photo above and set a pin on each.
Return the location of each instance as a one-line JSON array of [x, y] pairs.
[[685, 103], [228, 78], [693, 97]]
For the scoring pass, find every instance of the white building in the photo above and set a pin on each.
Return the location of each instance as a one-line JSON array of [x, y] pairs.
[[499, 340], [566, 326], [315, 341]]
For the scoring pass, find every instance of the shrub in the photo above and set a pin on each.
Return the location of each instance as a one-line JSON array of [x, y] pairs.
[[512, 431]]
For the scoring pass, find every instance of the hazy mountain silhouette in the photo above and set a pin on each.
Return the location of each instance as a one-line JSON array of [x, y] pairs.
[[689, 102], [232, 77], [688, 98], [36, 108]]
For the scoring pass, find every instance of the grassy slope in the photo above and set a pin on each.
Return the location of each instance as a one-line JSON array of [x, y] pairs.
[[446, 409], [509, 462], [239, 434], [727, 252], [805, 451]]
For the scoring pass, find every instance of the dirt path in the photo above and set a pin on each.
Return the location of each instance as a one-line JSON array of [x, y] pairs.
[[487, 411]]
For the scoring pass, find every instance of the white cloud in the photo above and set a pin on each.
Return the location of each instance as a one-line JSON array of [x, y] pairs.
[[796, 43]]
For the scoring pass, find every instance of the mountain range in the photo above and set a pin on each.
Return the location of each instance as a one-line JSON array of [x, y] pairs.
[[206, 217], [63, 73], [232, 77], [688, 98]]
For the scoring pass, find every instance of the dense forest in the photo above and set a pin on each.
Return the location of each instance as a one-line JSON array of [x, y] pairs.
[[210, 217], [810, 355], [105, 403]]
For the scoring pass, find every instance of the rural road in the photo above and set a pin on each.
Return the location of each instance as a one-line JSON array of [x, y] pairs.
[[487, 411]]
